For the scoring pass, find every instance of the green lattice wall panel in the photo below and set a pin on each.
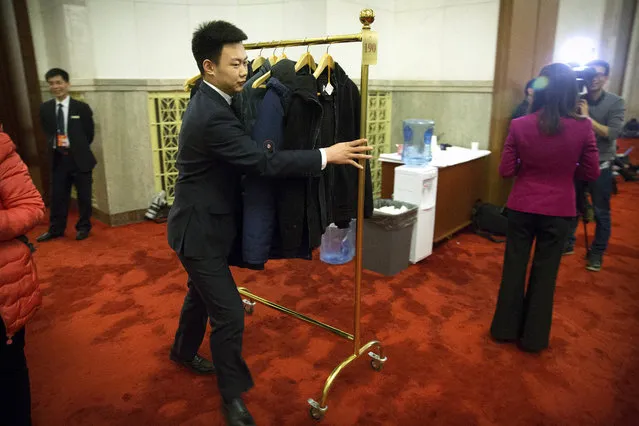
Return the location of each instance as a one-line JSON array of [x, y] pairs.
[[165, 116], [378, 134]]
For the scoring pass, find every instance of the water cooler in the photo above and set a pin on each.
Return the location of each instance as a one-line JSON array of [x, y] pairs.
[[418, 186]]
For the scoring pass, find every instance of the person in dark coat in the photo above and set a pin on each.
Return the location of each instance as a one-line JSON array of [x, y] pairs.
[[68, 125], [522, 108], [214, 152]]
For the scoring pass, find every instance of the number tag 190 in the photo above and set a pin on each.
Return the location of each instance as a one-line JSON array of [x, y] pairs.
[[369, 48]]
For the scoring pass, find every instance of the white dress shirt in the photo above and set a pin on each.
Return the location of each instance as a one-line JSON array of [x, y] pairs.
[[228, 99], [65, 110]]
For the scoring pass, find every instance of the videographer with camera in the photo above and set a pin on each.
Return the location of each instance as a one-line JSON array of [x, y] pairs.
[[606, 113]]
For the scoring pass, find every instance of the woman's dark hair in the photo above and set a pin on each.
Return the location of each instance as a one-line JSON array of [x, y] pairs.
[[556, 96]]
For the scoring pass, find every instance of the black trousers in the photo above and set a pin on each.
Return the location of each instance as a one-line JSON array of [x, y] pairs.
[[212, 294], [15, 392], [66, 174], [526, 314]]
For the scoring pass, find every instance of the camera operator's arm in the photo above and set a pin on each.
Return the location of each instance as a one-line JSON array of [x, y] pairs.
[[616, 118], [599, 128], [588, 168], [615, 122]]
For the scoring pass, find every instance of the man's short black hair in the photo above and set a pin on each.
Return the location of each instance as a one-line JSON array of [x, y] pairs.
[[600, 63], [209, 40], [54, 72]]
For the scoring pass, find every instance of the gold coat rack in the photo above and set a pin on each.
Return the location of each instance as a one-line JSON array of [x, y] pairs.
[[368, 38]]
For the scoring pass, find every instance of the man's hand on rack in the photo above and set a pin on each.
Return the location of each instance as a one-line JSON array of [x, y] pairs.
[[348, 153]]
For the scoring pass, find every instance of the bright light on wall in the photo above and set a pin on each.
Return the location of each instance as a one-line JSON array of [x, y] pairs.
[[579, 50]]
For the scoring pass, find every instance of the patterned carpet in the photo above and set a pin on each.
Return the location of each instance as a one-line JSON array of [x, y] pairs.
[[98, 350]]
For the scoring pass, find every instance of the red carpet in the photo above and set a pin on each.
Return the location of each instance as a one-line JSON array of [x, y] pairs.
[[98, 349]]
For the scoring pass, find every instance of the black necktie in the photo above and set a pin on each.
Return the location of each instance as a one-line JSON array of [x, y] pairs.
[[60, 120], [236, 106]]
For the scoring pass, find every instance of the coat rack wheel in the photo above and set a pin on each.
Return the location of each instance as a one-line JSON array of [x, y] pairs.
[[316, 413], [249, 306], [377, 366], [377, 361]]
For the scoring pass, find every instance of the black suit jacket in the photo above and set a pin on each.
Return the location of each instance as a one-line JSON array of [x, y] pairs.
[[214, 152], [80, 131]]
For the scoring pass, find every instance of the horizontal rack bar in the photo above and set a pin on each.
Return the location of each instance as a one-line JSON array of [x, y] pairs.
[[295, 314], [348, 38]]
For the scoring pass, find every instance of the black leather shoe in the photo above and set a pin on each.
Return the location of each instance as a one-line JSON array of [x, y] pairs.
[[47, 236], [82, 235], [198, 365], [237, 414]]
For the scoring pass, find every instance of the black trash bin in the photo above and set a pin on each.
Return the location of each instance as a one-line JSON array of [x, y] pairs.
[[387, 238]]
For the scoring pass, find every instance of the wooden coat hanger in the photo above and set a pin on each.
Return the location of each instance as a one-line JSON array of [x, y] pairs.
[[282, 56], [324, 63], [188, 84], [260, 82], [273, 58], [306, 60], [258, 62]]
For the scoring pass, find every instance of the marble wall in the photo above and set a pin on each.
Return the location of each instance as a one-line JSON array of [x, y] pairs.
[[123, 180], [123, 142], [461, 110]]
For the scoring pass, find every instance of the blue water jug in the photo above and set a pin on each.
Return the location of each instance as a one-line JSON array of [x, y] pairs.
[[338, 245], [417, 137]]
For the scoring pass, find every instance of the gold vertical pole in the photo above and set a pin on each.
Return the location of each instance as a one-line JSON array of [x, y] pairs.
[[360, 213], [366, 17]]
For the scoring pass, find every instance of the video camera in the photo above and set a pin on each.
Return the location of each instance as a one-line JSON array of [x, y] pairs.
[[585, 76]]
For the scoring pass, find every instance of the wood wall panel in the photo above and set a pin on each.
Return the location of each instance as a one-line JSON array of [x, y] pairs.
[[525, 42]]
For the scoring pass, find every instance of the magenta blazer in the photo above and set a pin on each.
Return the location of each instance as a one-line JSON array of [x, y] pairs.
[[545, 167]]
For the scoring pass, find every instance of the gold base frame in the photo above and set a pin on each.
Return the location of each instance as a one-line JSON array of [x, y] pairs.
[[369, 56]]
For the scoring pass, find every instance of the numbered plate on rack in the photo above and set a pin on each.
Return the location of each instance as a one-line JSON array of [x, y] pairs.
[[369, 47]]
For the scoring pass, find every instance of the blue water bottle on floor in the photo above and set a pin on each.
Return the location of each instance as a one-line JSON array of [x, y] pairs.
[[417, 134], [338, 244]]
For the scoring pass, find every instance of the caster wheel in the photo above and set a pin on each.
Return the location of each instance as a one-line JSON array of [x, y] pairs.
[[249, 306], [377, 365], [315, 413]]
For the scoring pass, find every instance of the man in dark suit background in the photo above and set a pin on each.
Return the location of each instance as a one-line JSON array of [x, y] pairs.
[[214, 152], [68, 125], [522, 108]]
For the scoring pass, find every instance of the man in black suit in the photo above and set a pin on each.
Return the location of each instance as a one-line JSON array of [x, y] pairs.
[[68, 125], [214, 152]]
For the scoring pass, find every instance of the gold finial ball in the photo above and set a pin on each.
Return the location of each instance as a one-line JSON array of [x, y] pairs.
[[367, 16]]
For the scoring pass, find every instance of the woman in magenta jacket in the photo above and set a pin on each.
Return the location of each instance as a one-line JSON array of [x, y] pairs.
[[545, 151]]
